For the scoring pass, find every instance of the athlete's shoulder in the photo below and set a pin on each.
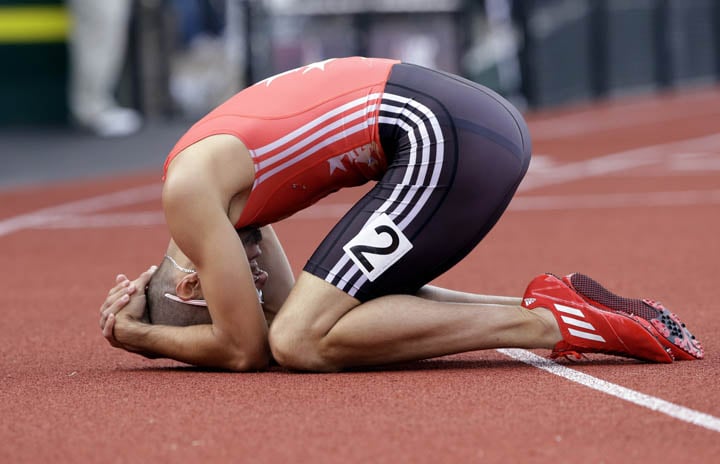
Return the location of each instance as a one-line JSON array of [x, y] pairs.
[[291, 93]]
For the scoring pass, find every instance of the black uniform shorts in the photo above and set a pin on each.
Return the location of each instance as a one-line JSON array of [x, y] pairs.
[[456, 153]]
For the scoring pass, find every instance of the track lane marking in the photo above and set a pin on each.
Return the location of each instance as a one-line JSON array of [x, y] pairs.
[[107, 220], [46, 216], [562, 202], [653, 403], [548, 173], [337, 210], [623, 115], [615, 200]]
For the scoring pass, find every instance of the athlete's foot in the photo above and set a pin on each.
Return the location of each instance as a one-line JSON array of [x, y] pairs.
[[588, 329], [666, 326], [551, 335]]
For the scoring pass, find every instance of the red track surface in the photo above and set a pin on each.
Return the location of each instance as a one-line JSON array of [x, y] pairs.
[[645, 222]]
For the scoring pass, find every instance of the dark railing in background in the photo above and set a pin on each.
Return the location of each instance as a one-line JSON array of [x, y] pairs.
[[567, 50], [588, 49], [291, 34], [539, 53]]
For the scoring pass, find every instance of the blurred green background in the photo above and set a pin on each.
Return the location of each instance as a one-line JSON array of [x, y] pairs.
[[33, 59]]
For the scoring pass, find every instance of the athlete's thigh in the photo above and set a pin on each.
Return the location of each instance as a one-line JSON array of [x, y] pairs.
[[313, 307], [459, 153]]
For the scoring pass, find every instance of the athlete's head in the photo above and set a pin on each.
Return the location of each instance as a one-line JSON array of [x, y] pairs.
[[174, 293]]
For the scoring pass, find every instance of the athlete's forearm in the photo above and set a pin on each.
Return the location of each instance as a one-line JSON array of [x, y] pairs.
[[281, 279], [430, 292], [199, 345]]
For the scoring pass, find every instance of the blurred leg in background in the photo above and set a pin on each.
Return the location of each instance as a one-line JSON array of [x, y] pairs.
[[206, 69], [98, 46]]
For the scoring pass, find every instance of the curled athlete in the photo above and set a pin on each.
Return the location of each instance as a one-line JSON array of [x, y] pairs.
[[447, 155]]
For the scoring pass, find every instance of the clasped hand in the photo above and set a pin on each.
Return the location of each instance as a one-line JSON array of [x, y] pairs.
[[125, 304]]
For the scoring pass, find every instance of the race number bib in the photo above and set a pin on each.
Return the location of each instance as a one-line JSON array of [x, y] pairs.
[[377, 246]]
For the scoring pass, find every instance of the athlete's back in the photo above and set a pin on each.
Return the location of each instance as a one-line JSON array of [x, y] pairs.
[[310, 131]]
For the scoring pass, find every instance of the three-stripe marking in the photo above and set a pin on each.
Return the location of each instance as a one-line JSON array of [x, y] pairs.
[[573, 321], [315, 135]]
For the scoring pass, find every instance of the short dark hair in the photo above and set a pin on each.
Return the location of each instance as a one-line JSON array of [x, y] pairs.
[[163, 311]]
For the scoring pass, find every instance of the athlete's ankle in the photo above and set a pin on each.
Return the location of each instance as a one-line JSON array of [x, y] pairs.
[[550, 333]]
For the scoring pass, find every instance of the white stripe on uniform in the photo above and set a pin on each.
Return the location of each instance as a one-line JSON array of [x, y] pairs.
[[367, 104], [422, 128]]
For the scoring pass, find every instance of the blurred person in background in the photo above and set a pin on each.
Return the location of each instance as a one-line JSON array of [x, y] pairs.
[[98, 45], [203, 72]]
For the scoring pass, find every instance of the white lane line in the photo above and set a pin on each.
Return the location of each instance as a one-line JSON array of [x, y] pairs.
[[545, 174], [104, 220], [561, 202], [641, 399], [337, 210], [622, 116], [614, 200], [46, 216]]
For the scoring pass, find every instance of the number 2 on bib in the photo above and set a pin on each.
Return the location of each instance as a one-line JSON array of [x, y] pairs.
[[379, 245]]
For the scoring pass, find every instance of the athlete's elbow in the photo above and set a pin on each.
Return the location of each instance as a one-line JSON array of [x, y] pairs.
[[244, 360], [247, 362], [240, 353]]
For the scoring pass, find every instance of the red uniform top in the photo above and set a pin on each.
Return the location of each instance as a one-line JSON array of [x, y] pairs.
[[310, 132]]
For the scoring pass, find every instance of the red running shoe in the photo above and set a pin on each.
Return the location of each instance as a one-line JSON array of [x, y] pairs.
[[666, 326], [589, 329]]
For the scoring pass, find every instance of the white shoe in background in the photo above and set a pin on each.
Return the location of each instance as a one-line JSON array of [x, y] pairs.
[[113, 122]]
